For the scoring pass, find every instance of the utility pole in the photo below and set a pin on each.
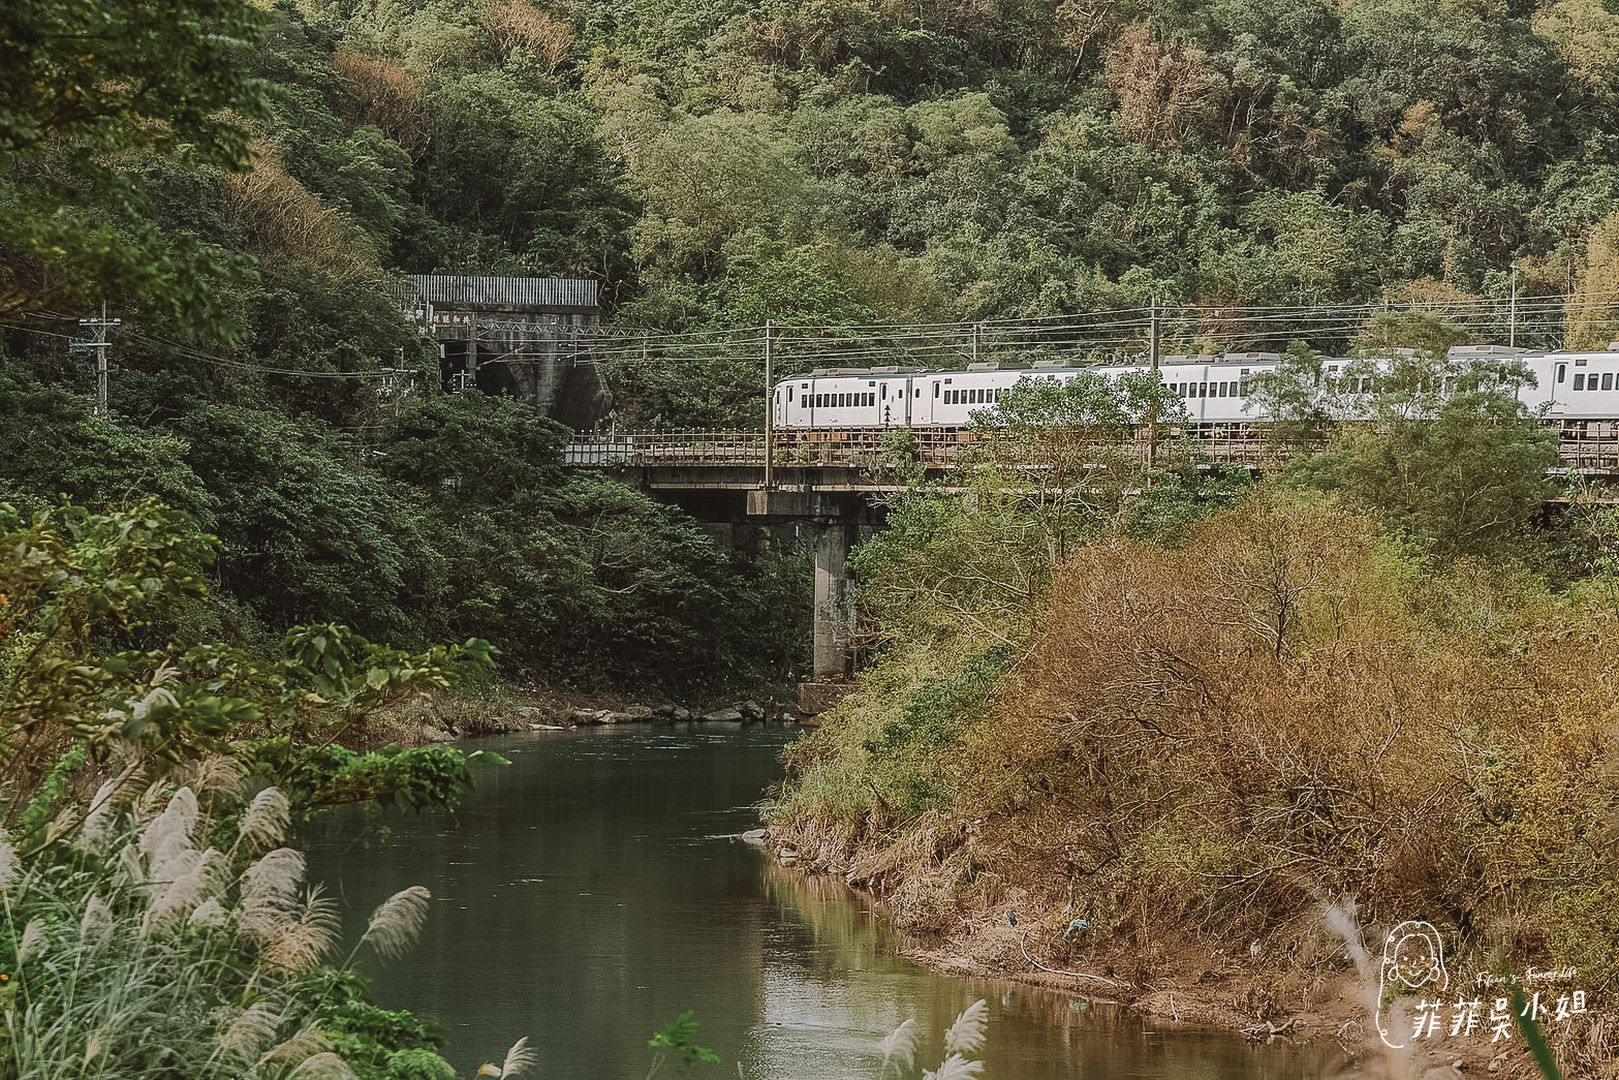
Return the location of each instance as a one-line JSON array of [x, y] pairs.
[[1152, 409], [1512, 310], [770, 408], [100, 326]]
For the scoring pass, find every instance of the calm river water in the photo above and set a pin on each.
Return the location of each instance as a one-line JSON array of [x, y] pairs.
[[590, 892]]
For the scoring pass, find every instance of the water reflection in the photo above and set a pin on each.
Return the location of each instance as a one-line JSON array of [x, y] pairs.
[[590, 892]]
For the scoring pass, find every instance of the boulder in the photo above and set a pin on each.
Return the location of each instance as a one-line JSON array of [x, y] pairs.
[[754, 836], [751, 710], [665, 710], [528, 712], [723, 716], [679, 715], [637, 712]]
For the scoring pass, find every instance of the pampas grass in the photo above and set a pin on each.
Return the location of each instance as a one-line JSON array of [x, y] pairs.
[[397, 922], [962, 1042], [966, 1036], [269, 889], [266, 821], [326, 1066], [158, 957], [249, 1032], [8, 862], [304, 934], [519, 1059], [899, 1049]]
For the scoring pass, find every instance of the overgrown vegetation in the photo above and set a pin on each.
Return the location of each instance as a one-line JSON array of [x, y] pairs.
[[1374, 677]]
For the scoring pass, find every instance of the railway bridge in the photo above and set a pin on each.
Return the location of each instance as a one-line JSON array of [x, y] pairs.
[[833, 482]]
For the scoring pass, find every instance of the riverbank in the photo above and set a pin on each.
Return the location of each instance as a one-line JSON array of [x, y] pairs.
[[505, 708], [1181, 984], [1213, 770]]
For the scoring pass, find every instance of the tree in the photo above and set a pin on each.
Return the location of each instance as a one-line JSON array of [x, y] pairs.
[[1469, 479], [1292, 399], [85, 88]]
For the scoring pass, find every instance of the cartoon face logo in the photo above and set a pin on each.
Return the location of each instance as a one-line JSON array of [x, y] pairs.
[[1413, 959]]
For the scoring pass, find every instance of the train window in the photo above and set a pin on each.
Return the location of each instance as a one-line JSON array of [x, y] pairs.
[[789, 395], [935, 391], [1579, 382], [1562, 372], [1607, 380], [871, 400], [1225, 389], [1202, 389]]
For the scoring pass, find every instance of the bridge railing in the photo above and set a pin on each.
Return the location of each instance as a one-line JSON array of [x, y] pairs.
[[1588, 451]]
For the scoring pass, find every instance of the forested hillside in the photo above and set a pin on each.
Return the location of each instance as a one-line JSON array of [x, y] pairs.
[[245, 184]]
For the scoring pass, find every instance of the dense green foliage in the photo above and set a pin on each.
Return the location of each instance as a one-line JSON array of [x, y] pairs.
[[246, 214], [1179, 710]]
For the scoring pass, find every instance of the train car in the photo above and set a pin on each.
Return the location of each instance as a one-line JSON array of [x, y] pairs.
[[841, 398], [1215, 390], [950, 398]]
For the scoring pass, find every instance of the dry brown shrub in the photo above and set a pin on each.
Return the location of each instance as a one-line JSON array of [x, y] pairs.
[[388, 97], [287, 220], [519, 26], [1163, 89], [1220, 737]]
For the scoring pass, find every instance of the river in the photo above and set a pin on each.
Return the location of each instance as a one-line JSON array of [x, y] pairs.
[[591, 892]]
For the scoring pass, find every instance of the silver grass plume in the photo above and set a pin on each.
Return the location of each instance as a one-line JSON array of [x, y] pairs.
[[97, 827], [166, 842], [302, 1045], [899, 1049], [519, 1059], [966, 1036], [178, 818], [249, 1031], [98, 919], [305, 934], [216, 774], [266, 820], [324, 1066], [32, 934], [129, 865], [397, 922], [8, 862], [269, 890], [956, 1067], [203, 879], [209, 915]]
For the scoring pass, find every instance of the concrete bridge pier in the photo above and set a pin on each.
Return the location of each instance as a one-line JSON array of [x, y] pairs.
[[834, 613], [834, 520]]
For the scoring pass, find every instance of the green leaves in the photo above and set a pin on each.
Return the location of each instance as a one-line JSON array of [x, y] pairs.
[[85, 87]]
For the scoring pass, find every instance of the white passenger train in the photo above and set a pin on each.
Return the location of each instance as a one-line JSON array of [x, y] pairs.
[[1214, 389]]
